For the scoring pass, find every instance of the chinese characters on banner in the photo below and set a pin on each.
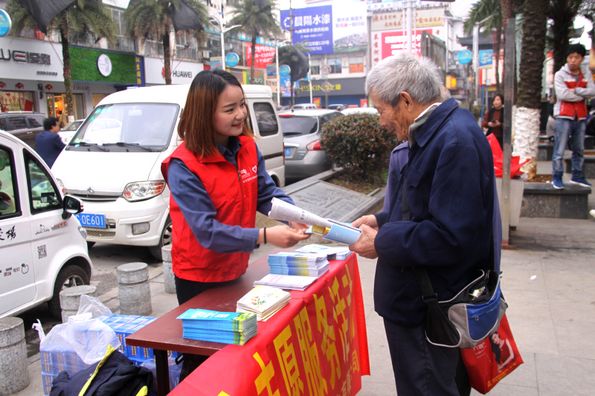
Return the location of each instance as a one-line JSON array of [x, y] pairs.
[[317, 345], [263, 56], [385, 44], [312, 27]]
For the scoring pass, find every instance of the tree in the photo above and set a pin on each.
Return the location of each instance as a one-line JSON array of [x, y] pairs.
[[155, 19], [488, 11], [562, 13], [255, 18], [294, 57], [83, 19], [529, 93]]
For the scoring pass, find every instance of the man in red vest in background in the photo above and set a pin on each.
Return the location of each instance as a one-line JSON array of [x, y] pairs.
[[574, 86]]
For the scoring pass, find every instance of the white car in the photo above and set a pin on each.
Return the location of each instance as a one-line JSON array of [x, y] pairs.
[[69, 130], [359, 110], [42, 244]]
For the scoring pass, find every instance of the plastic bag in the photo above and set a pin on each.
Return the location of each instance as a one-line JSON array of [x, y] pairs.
[[88, 339], [94, 307], [515, 163]]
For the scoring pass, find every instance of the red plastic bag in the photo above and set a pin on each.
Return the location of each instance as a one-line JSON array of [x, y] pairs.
[[493, 359], [515, 164]]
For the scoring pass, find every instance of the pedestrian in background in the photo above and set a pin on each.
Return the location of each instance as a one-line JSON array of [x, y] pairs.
[[48, 143], [573, 85], [218, 181], [494, 117], [440, 220]]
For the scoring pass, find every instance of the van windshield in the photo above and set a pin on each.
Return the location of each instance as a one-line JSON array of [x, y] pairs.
[[127, 127]]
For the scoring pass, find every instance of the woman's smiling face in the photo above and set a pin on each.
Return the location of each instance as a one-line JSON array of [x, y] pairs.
[[230, 114]]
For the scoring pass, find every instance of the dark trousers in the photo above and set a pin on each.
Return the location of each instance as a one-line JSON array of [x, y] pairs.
[[185, 290], [422, 369]]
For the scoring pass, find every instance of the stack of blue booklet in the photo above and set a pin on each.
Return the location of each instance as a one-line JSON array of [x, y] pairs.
[[332, 252], [215, 326], [297, 263]]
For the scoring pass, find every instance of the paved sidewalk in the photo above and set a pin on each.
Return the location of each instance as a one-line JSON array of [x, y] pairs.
[[549, 283]]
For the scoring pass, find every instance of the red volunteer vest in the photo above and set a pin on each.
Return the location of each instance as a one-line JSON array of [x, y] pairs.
[[574, 110], [234, 194]]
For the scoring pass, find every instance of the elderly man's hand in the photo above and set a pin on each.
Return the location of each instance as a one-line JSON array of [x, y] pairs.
[[369, 220], [364, 246]]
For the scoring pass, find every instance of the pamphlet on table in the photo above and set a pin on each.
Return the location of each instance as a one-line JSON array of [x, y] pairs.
[[216, 326], [264, 301]]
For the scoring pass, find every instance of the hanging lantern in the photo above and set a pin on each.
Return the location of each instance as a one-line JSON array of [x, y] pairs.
[[2, 84], [19, 85], [49, 87]]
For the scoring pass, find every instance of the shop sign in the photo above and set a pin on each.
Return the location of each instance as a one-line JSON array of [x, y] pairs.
[[25, 59], [428, 17], [263, 56], [181, 72], [312, 27], [5, 23], [385, 44], [90, 64]]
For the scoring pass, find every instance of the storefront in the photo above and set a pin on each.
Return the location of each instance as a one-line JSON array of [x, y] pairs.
[[347, 91], [181, 72], [98, 72], [27, 68]]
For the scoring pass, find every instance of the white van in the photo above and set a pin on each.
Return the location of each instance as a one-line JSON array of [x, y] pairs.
[[42, 246], [113, 163]]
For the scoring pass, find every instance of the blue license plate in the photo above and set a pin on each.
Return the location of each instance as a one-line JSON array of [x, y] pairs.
[[288, 151], [91, 220]]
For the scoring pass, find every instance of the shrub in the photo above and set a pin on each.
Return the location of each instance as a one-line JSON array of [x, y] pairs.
[[358, 144]]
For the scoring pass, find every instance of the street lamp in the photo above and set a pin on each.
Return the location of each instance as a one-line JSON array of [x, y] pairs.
[[222, 29]]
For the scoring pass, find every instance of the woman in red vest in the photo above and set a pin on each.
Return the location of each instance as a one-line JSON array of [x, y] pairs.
[[217, 179]]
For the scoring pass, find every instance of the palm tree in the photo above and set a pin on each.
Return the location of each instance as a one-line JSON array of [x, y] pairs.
[[562, 13], [488, 11], [256, 18], [529, 93], [83, 19], [155, 19]]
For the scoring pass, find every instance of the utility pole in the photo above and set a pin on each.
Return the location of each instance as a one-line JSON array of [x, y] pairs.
[[410, 26]]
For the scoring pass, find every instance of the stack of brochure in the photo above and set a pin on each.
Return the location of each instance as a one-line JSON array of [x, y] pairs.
[[297, 263], [264, 301], [332, 252], [289, 282], [214, 326]]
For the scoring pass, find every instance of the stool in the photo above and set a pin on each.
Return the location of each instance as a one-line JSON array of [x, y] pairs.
[[70, 299], [14, 375], [134, 289]]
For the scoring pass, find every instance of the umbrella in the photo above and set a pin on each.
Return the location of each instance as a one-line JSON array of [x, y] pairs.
[[43, 11]]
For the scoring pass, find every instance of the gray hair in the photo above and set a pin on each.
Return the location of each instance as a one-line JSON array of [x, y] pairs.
[[404, 72]]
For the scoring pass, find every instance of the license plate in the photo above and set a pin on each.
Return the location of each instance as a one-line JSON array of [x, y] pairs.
[[91, 220], [288, 151]]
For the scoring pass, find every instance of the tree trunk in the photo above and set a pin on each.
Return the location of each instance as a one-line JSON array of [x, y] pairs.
[[253, 57], [529, 98], [497, 39], [562, 15], [166, 57], [69, 106]]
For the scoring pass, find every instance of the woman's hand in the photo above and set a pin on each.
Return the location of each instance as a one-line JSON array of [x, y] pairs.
[[282, 236]]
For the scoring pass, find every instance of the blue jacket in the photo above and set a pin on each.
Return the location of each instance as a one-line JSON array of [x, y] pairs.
[[449, 182], [48, 145]]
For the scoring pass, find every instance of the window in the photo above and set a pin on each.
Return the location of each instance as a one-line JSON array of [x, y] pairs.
[[265, 117], [35, 122], [43, 193], [16, 123], [356, 65], [9, 205], [315, 69], [335, 66]]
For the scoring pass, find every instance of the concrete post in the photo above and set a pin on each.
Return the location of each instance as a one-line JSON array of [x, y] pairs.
[[14, 375], [134, 290], [169, 282], [70, 299]]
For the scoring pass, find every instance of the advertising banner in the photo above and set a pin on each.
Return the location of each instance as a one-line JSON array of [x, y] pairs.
[[350, 33], [385, 44], [316, 345], [30, 60], [485, 57], [312, 27], [425, 17], [181, 72], [263, 56]]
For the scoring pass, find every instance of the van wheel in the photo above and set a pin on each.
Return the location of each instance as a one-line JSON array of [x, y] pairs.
[[69, 276], [165, 240]]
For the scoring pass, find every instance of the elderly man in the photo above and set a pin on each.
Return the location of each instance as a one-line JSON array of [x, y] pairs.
[[440, 219]]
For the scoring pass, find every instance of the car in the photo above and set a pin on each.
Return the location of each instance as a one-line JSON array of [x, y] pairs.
[[69, 130], [25, 125], [113, 162], [337, 107], [359, 110], [304, 106], [42, 243], [304, 156]]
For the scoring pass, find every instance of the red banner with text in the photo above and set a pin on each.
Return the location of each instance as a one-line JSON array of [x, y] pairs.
[[263, 55], [316, 345]]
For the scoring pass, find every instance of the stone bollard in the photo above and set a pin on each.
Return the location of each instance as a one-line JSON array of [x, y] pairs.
[[14, 375], [134, 289], [70, 299], [169, 282]]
